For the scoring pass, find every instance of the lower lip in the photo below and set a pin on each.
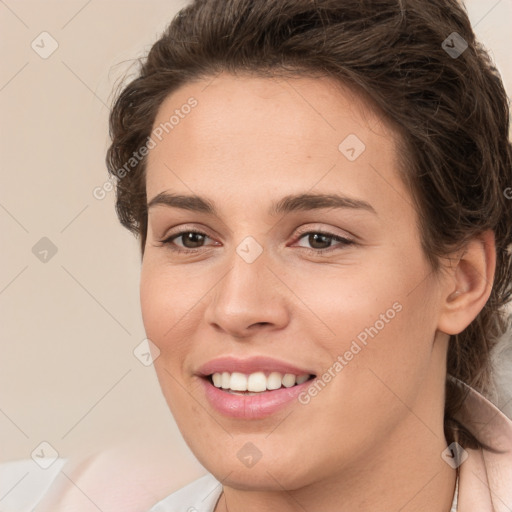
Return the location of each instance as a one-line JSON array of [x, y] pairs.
[[252, 406]]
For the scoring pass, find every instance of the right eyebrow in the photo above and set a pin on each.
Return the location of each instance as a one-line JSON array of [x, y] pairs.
[[185, 202]]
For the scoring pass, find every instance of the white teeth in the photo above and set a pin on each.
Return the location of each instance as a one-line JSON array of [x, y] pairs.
[[274, 380], [256, 382], [226, 377], [217, 380], [288, 380], [302, 378], [238, 382]]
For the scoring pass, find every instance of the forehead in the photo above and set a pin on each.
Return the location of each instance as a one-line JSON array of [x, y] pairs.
[[249, 135]]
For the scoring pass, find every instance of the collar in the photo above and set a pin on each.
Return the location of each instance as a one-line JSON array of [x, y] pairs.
[[485, 477]]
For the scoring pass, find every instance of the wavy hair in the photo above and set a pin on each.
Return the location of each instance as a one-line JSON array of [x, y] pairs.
[[409, 57]]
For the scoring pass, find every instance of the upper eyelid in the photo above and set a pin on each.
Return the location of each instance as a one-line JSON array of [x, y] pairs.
[[299, 234], [185, 230]]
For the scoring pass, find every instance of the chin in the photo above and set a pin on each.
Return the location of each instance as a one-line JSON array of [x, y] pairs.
[[264, 478]]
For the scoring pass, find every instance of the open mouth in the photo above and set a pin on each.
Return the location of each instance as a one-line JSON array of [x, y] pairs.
[[256, 383]]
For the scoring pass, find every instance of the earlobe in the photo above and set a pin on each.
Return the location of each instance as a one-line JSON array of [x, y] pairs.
[[469, 284]]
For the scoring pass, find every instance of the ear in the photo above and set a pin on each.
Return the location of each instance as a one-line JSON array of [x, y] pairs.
[[468, 284]]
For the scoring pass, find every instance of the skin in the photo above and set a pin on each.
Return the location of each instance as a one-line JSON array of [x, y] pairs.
[[372, 438]]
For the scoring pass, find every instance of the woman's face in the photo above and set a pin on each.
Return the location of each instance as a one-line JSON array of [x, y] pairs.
[[280, 282]]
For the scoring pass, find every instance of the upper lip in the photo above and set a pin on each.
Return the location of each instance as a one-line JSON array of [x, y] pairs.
[[249, 365]]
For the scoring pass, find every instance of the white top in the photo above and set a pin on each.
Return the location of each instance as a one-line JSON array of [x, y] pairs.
[[202, 495], [23, 482]]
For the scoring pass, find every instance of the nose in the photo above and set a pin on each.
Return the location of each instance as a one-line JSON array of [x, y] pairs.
[[249, 298]]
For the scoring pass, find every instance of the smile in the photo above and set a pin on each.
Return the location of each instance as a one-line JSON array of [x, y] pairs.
[[252, 388], [257, 382]]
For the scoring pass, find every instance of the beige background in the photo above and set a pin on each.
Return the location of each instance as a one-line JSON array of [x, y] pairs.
[[69, 326]]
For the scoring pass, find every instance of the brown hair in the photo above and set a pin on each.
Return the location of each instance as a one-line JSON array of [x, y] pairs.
[[451, 111]]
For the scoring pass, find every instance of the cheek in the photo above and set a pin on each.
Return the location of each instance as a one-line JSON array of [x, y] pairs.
[[171, 305], [379, 317], [343, 301], [168, 300], [165, 302], [155, 314]]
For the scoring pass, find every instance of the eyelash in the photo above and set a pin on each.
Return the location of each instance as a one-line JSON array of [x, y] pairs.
[[177, 249]]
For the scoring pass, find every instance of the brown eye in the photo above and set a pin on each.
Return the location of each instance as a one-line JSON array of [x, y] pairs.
[[322, 242], [319, 239], [191, 241]]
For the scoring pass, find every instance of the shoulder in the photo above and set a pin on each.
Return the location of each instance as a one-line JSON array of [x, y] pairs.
[[23, 482], [485, 475], [127, 476], [486, 422], [201, 495]]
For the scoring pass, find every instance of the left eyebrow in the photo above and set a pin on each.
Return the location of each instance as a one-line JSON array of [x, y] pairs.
[[287, 204], [303, 202]]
